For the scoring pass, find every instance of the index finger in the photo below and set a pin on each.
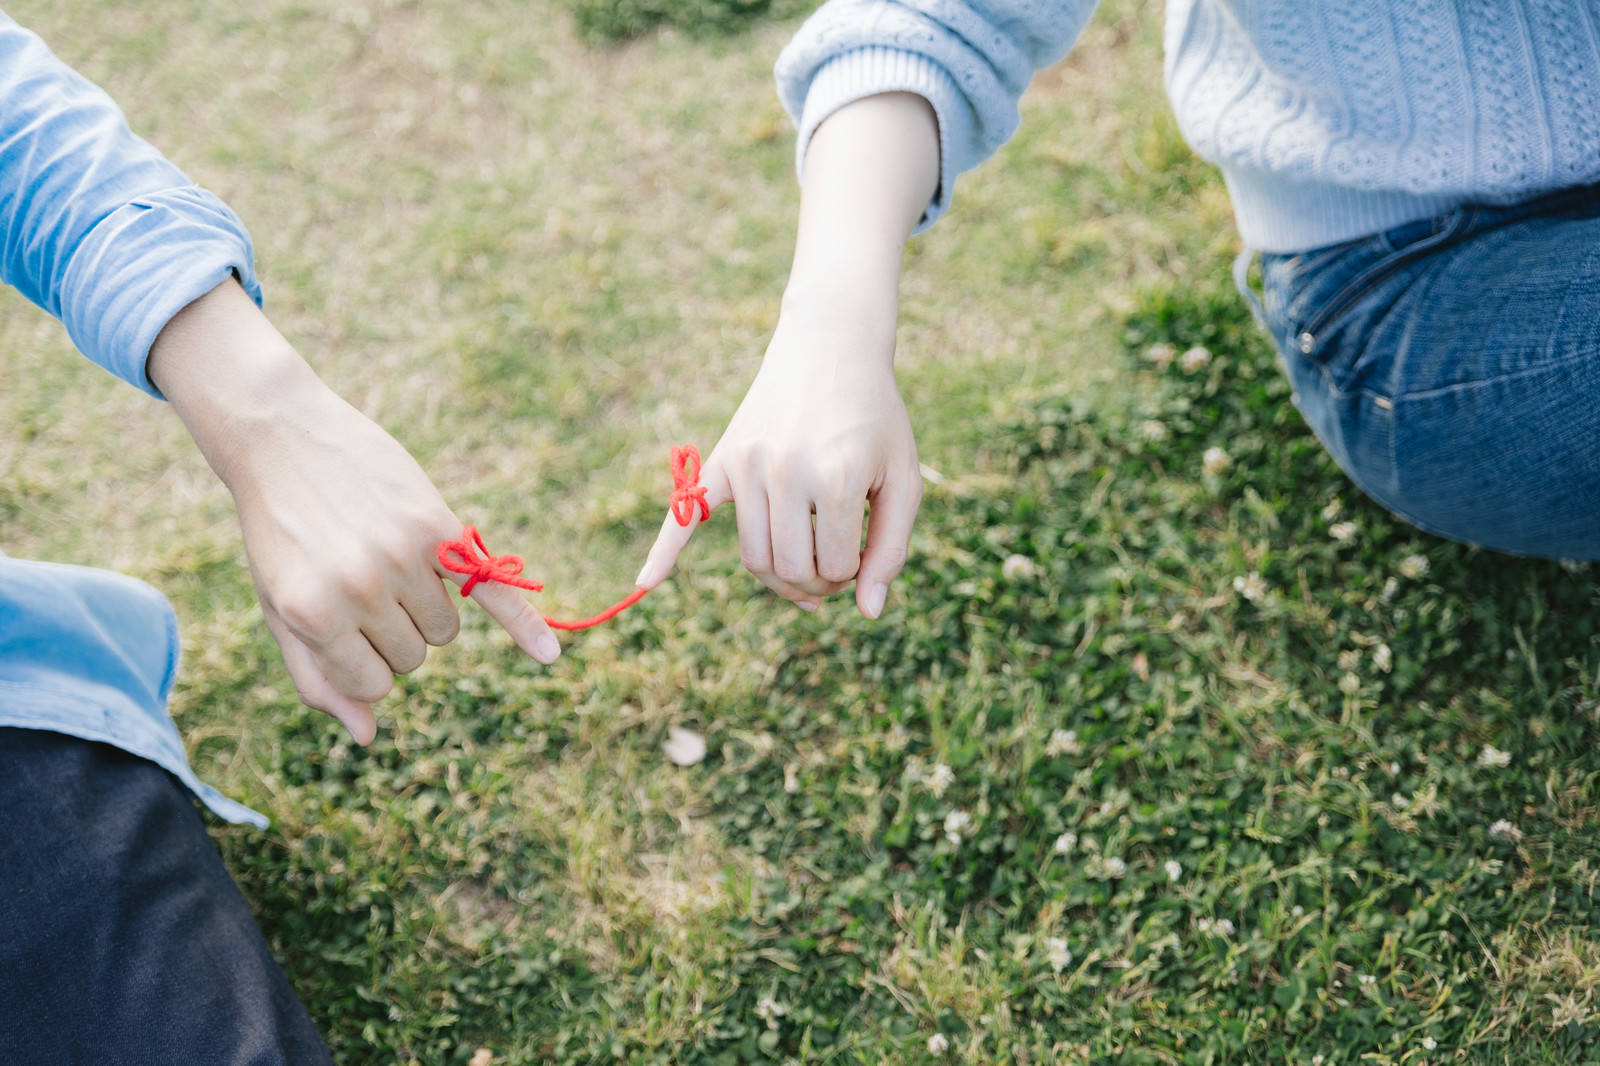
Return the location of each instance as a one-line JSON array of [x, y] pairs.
[[515, 614]]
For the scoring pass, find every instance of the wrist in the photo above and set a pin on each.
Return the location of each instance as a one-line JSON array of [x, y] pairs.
[[232, 378]]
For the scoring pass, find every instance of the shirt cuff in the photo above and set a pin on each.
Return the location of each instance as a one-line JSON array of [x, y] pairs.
[[141, 265], [864, 72]]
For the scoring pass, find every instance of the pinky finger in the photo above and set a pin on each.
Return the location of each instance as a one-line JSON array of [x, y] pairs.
[[313, 686]]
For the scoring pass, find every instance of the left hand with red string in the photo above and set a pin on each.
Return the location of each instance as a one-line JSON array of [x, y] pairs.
[[340, 524]]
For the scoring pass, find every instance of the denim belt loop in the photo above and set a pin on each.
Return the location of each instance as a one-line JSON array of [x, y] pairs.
[[1241, 279]]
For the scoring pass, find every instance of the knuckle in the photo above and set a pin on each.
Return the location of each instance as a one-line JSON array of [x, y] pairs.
[[409, 658], [442, 627], [837, 570], [790, 571], [309, 613], [372, 689]]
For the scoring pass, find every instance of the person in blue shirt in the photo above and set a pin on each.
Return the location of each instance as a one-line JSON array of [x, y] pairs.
[[122, 938]]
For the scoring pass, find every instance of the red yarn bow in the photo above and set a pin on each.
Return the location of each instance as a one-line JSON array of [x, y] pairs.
[[470, 556], [686, 488]]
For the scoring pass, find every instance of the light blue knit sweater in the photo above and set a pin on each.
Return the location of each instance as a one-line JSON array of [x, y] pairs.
[[1329, 119]]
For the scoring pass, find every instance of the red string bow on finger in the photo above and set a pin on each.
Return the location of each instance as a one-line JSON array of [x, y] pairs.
[[471, 557], [686, 488]]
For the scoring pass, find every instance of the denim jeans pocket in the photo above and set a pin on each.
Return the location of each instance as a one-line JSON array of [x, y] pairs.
[[1320, 289]]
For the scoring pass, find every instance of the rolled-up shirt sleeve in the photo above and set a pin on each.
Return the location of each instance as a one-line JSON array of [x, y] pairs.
[[970, 60], [96, 226]]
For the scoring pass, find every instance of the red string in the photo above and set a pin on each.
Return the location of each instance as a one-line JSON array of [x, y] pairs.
[[686, 487], [470, 556]]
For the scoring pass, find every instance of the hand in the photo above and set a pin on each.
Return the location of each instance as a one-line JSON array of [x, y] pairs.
[[340, 524], [821, 433]]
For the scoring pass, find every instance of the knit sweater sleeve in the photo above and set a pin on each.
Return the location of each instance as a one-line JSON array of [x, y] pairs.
[[96, 226], [971, 59]]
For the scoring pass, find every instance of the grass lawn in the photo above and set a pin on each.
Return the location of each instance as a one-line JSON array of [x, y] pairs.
[[1155, 758]]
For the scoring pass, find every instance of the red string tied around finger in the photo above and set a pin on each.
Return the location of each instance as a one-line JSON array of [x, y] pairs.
[[686, 488], [470, 556]]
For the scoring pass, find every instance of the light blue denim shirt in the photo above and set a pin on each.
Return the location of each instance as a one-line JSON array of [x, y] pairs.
[[100, 230]]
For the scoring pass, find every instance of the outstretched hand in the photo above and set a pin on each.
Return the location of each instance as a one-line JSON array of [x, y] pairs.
[[822, 434], [340, 524]]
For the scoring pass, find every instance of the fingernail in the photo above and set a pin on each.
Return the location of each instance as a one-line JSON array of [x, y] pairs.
[[807, 605], [875, 598], [546, 649], [643, 580]]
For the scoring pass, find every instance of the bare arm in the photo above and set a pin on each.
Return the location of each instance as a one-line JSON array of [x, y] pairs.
[[823, 430]]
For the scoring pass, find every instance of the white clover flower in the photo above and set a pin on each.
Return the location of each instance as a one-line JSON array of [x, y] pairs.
[[1174, 869], [1383, 658], [1195, 359], [770, 1010], [1343, 532], [897, 738], [1505, 829], [1018, 568], [1115, 868], [1366, 980], [1298, 911], [1057, 954], [1574, 566], [1215, 461], [957, 825], [1161, 355], [939, 778], [684, 747], [791, 778], [1414, 567], [1220, 927], [1429, 1043], [1332, 509], [1349, 684], [1391, 587], [1349, 659], [1568, 1010], [1152, 431], [937, 1044], [1316, 1060], [1393, 768], [1251, 587], [1063, 742], [1492, 756], [1065, 843]]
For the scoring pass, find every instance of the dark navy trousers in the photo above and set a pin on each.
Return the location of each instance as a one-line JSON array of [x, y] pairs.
[[123, 940]]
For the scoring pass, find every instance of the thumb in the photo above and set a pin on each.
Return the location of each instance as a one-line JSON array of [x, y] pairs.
[[894, 510], [673, 537]]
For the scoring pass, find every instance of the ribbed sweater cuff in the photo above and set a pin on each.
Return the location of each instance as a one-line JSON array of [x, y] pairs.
[[864, 72]]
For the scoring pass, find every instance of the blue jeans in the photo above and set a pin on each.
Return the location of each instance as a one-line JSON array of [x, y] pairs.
[[1452, 368], [122, 938]]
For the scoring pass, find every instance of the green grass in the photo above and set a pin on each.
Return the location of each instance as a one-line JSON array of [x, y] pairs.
[[537, 262]]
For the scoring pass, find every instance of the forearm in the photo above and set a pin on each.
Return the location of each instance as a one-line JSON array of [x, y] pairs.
[[871, 169], [232, 379]]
